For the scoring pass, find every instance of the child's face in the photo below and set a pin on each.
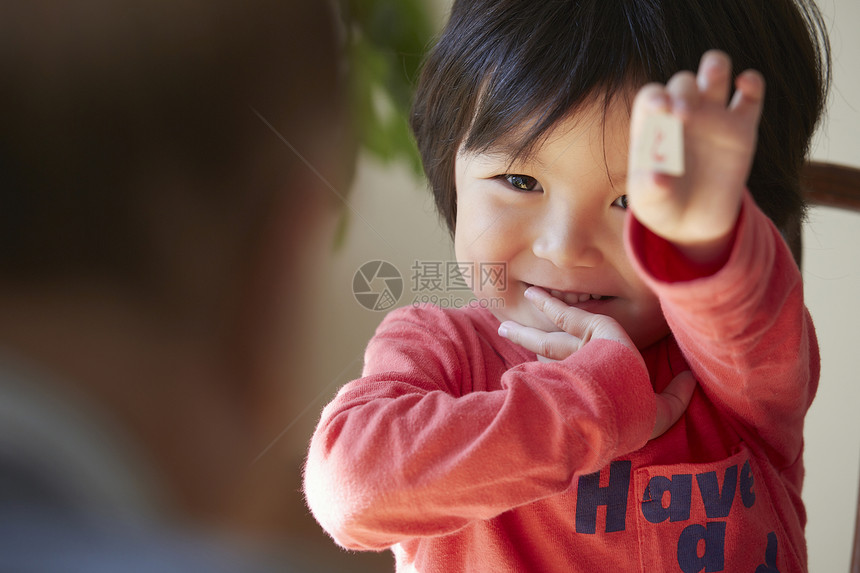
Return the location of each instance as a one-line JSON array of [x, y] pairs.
[[556, 221]]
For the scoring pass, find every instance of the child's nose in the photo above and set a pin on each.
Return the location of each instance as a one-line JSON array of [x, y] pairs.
[[566, 239]]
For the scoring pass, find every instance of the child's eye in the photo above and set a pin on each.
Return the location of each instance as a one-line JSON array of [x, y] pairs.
[[620, 202], [522, 182]]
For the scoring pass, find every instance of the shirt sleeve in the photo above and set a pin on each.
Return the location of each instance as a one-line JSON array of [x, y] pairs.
[[744, 329], [406, 451]]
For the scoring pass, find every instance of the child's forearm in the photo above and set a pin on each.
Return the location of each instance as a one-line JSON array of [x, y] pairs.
[[744, 330], [390, 461], [728, 286]]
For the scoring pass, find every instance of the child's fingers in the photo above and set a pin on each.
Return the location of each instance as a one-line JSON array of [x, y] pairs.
[[684, 91], [714, 77], [581, 324], [568, 318], [673, 401], [552, 345], [651, 98], [749, 96]]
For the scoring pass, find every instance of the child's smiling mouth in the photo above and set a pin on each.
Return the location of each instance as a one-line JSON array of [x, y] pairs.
[[572, 298]]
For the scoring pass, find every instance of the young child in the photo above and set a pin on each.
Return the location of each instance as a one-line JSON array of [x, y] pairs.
[[558, 433]]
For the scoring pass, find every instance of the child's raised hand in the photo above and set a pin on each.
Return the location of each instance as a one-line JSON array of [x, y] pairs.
[[697, 210], [578, 327]]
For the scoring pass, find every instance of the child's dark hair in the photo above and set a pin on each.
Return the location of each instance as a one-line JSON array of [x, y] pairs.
[[502, 63]]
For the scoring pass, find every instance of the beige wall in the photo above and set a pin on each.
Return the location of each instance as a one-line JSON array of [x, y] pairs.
[[832, 280], [392, 218]]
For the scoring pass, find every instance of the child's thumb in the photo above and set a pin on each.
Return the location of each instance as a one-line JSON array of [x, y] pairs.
[[673, 401]]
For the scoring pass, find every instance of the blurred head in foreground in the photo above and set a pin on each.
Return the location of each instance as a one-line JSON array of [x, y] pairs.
[[162, 169]]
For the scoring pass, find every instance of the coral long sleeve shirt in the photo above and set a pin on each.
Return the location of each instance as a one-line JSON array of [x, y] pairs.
[[461, 452]]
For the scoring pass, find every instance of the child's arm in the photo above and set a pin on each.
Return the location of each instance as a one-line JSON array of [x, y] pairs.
[[727, 283], [416, 448]]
